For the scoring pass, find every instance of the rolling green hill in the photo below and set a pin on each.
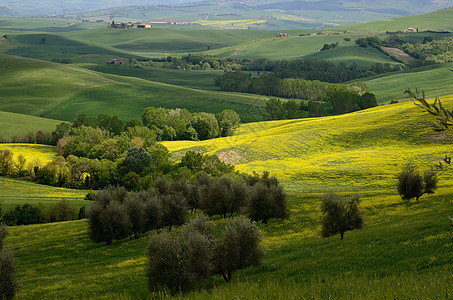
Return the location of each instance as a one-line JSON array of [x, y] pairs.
[[403, 250], [365, 148], [12, 124], [61, 92], [19, 192], [436, 80], [439, 20]]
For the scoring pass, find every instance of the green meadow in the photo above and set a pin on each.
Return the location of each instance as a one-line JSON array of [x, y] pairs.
[[435, 80], [61, 92], [437, 21], [16, 124], [19, 192], [403, 250]]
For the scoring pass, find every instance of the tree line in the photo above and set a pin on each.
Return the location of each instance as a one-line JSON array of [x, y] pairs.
[[306, 68], [165, 124], [341, 98], [135, 169]]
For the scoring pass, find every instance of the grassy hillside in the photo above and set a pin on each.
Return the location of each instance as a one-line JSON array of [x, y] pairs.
[[12, 124], [339, 152], [60, 92], [403, 250], [436, 80], [439, 20], [161, 40], [18, 192], [203, 80]]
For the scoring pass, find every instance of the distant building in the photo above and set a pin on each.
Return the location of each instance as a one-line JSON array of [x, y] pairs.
[[144, 26], [282, 35], [410, 29], [117, 61]]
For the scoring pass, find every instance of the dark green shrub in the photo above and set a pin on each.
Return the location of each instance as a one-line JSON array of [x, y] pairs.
[[8, 280], [223, 196], [267, 198], [82, 213], [174, 209], [61, 211], [24, 215]]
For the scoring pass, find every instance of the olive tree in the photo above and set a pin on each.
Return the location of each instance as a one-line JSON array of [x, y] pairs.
[[267, 198], [109, 222], [176, 263], [339, 214], [223, 196], [411, 184], [238, 247]]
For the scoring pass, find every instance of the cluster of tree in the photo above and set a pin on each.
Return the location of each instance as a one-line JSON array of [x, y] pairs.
[[179, 262], [136, 169], [411, 184], [326, 71], [339, 215], [340, 98], [431, 51], [116, 213], [35, 214], [8, 279], [180, 124]]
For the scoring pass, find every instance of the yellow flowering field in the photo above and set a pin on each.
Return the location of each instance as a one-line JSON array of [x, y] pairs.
[[32, 152], [365, 149]]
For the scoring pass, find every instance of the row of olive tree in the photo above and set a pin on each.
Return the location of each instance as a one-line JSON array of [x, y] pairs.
[[180, 261], [116, 213]]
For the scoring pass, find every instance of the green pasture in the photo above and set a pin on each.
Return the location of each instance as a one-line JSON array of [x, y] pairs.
[[436, 80], [203, 80], [362, 57], [18, 192], [14, 25], [438, 21], [15, 124], [403, 250], [61, 92], [48, 46], [164, 40]]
